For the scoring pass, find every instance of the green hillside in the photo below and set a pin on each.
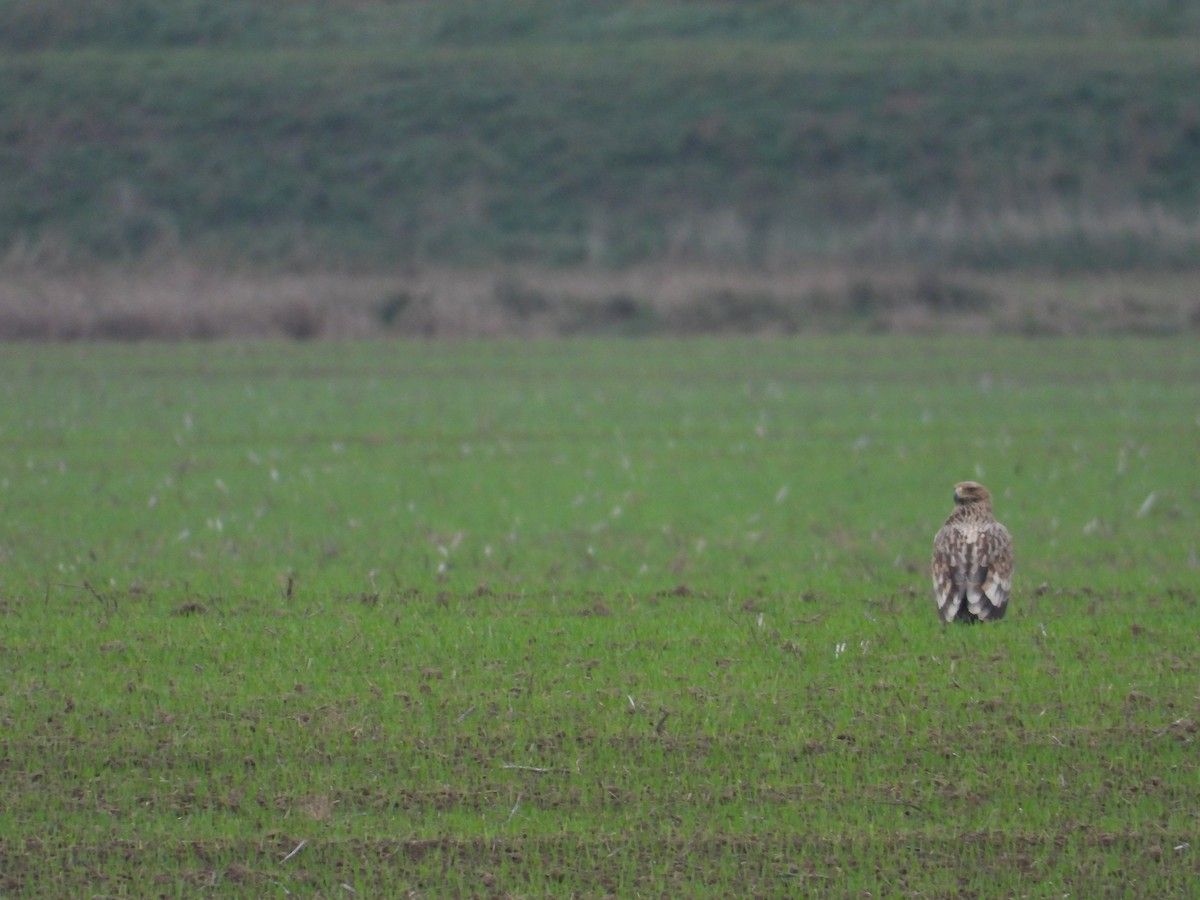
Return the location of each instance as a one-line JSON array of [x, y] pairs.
[[1063, 135]]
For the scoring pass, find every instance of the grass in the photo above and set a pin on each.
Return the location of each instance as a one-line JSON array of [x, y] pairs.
[[419, 23], [470, 133], [593, 617]]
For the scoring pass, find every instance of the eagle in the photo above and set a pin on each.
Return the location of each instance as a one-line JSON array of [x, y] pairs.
[[972, 559]]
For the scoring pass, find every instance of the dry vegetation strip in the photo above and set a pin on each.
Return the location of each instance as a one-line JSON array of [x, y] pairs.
[[183, 301]]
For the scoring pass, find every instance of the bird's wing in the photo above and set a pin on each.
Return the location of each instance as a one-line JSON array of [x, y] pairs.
[[989, 572], [949, 587]]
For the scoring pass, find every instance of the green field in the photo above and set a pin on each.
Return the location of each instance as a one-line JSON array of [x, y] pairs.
[[596, 617]]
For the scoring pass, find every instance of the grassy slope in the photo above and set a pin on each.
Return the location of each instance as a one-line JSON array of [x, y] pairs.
[[479, 131], [256, 596]]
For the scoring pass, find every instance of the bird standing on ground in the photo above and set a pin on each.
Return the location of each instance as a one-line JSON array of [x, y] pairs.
[[972, 559]]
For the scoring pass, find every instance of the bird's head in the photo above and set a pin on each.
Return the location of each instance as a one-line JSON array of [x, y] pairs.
[[968, 492]]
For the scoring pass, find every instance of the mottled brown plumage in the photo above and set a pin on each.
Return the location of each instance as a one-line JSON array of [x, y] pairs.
[[972, 559]]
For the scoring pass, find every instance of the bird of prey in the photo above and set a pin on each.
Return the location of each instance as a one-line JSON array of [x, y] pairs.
[[972, 559]]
